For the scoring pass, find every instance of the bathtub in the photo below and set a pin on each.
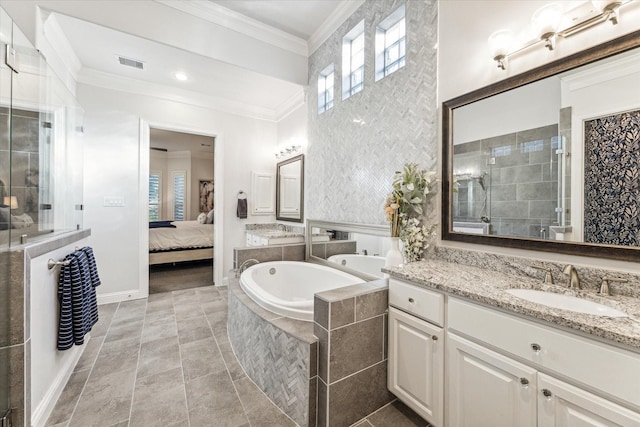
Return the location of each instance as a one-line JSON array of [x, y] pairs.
[[287, 287], [368, 264]]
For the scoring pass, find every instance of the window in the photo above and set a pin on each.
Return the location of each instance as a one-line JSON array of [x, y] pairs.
[[325, 89], [155, 195], [391, 44], [353, 61], [179, 195]]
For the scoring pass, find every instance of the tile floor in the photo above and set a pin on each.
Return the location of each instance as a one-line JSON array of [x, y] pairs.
[[166, 361]]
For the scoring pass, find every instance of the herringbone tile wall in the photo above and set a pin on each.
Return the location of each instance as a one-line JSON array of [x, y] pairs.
[[356, 146]]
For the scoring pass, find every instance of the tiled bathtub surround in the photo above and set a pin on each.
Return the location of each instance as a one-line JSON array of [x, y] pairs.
[[294, 252], [351, 326], [279, 354], [326, 249]]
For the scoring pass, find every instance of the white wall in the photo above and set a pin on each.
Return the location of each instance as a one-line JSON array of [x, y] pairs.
[[464, 65], [111, 169], [242, 145], [50, 368]]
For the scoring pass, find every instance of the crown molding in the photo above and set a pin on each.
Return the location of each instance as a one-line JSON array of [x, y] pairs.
[[332, 23], [242, 24], [104, 80], [58, 42], [291, 104]]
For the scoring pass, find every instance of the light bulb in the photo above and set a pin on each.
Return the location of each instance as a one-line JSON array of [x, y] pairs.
[[500, 43], [545, 21]]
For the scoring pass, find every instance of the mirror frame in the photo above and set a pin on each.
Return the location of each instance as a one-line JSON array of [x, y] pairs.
[[602, 51], [279, 165], [374, 230]]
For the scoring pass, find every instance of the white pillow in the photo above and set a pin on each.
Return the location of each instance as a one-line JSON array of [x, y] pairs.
[[202, 218], [210, 217], [21, 221]]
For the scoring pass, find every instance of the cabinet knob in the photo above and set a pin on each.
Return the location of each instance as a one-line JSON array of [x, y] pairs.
[[546, 393], [411, 300], [524, 382], [435, 338], [536, 347]]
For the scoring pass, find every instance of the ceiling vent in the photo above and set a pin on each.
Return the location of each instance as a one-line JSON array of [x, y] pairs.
[[131, 62]]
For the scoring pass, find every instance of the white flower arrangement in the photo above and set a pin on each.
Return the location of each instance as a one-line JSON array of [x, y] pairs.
[[415, 238], [405, 210]]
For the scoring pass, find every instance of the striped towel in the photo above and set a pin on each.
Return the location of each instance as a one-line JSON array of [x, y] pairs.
[[93, 269], [77, 298]]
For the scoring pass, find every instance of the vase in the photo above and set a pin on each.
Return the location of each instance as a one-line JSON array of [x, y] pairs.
[[394, 257]]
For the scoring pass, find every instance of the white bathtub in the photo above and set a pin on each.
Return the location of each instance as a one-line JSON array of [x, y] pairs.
[[287, 287], [368, 264]]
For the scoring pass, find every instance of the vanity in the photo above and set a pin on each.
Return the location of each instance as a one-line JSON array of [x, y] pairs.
[[464, 351], [270, 236]]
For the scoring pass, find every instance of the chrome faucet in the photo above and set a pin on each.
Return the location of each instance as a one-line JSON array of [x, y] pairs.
[[574, 280], [281, 227], [248, 263], [364, 252]]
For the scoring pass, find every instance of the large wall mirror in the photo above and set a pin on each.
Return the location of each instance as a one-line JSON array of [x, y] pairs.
[[358, 249], [290, 189], [548, 160]]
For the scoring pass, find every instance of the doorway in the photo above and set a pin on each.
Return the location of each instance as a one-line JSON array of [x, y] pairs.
[[181, 210]]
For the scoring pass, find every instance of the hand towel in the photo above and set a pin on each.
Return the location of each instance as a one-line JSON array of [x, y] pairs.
[[241, 210]]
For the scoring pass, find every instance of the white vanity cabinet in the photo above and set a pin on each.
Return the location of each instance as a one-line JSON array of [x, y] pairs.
[[489, 388], [501, 369], [416, 349]]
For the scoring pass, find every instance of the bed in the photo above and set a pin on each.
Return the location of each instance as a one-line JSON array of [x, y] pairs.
[[180, 241]]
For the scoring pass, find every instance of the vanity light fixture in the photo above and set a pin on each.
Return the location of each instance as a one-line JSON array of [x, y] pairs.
[[546, 24], [288, 151]]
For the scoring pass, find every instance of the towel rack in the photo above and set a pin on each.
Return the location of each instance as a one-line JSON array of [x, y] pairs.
[[51, 263]]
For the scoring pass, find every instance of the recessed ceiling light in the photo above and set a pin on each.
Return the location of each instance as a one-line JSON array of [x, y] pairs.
[[181, 76]]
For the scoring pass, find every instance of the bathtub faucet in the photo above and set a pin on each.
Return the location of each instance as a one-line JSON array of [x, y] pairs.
[[364, 252], [248, 263]]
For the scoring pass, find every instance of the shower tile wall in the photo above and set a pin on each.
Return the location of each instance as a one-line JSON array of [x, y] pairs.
[[25, 136], [522, 182], [356, 146]]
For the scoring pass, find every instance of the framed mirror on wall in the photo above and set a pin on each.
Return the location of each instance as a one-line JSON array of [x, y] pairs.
[[548, 160], [290, 189]]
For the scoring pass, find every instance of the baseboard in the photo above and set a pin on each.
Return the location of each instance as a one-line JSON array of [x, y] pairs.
[[42, 412], [120, 296]]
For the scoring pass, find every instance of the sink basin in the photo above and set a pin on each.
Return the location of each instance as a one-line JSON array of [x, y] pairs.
[[566, 302]]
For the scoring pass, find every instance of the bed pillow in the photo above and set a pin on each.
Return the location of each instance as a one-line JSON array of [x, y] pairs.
[[202, 218], [210, 217], [21, 221]]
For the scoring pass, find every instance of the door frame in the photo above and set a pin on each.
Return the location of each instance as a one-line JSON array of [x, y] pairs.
[[218, 176]]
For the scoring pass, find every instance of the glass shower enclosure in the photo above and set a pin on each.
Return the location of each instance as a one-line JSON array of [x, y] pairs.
[[41, 193]]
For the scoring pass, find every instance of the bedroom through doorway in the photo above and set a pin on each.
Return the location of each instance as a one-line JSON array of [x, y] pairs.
[[181, 215]]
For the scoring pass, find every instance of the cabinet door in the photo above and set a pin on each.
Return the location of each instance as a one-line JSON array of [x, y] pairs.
[[416, 370], [487, 389], [563, 405]]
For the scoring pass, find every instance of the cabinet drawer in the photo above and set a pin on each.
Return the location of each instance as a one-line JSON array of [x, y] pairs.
[[606, 368], [418, 301]]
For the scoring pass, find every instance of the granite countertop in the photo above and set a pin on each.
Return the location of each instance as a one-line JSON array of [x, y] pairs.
[[488, 287], [274, 234]]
